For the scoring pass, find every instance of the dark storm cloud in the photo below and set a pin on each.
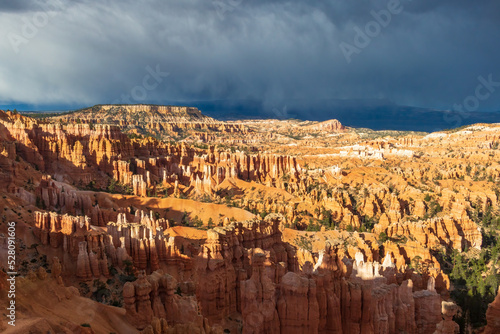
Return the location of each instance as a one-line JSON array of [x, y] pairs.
[[87, 52], [15, 6]]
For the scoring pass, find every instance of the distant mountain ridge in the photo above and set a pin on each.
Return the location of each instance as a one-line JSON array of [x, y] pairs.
[[372, 114], [143, 113], [165, 122]]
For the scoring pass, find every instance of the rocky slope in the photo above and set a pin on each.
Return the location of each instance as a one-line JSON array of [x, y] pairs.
[[160, 121], [493, 316], [140, 112]]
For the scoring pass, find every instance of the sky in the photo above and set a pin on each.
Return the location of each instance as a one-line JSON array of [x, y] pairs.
[[427, 53]]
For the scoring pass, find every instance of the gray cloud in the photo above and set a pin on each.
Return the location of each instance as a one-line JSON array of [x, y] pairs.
[[91, 52], [16, 6]]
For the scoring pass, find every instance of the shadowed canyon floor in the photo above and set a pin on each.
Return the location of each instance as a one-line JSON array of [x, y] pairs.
[[158, 219]]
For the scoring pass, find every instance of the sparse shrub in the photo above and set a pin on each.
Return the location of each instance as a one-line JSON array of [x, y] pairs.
[[382, 237], [129, 267], [304, 243], [185, 218]]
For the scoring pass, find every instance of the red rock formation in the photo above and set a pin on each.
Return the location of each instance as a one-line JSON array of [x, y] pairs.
[[298, 306], [86, 154], [446, 231], [332, 125], [493, 316], [154, 120], [448, 326], [143, 241], [252, 271], [83, 269], [258, 301], [139, 186], [225, 260], [76, 237], [56, 270], [315, 301], [154, 296], [245, 267], [427, 309]]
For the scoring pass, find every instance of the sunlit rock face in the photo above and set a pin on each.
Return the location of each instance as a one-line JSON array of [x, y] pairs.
[[493, 316]]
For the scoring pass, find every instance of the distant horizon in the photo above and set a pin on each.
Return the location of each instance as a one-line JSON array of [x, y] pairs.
[[374, 116], [33, 108]]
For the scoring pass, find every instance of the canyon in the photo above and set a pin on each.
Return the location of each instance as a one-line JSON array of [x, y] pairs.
[[159, 219]]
